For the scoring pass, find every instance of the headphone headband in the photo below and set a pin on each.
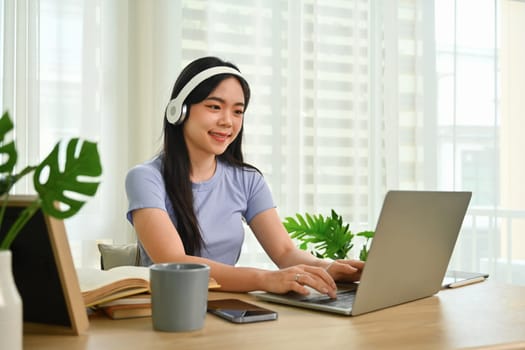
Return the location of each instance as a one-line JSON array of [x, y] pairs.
[[176, 111]]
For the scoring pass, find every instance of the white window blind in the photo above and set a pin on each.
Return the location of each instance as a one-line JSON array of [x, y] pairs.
[[307, 127], [349, 99]]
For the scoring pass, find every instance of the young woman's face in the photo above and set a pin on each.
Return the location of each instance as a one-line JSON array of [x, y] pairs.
[[216, 121]]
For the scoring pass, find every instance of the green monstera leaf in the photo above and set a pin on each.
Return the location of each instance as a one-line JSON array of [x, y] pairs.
[[63, 186], [8, 155]]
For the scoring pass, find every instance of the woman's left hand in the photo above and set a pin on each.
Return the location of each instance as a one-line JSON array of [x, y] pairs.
[[345, 270]]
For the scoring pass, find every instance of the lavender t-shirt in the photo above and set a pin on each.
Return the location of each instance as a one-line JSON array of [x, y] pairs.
[[220, 205]]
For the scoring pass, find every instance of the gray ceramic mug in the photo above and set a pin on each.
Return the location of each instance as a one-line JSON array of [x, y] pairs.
[[179, 296]]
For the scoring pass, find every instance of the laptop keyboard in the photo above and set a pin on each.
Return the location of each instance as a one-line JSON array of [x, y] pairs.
[[345, 298]]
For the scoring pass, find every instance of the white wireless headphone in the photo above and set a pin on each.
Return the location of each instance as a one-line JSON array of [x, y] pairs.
[[176, 110]]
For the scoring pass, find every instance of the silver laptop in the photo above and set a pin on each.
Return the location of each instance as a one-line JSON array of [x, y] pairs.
[[409, 255]]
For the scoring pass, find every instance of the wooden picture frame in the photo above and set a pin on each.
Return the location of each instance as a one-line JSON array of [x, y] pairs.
[[44, 272]]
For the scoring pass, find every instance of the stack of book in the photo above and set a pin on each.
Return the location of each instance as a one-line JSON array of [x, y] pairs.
[[138, 305], [120, 292]]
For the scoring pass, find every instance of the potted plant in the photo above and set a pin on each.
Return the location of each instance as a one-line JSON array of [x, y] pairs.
[[326, 237], [58, 186]]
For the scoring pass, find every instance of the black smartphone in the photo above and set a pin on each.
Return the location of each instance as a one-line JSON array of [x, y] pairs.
[[238, 311]]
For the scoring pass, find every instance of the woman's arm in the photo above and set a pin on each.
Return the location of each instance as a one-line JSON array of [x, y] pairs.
[[162, 243]]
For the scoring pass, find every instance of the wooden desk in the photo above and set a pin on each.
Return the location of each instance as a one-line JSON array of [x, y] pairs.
[[483, 314]]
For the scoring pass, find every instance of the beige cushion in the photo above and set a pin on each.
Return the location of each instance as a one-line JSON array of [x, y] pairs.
[[113, 255]]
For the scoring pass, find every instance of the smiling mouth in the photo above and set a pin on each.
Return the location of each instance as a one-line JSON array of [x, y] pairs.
[[221, 137]]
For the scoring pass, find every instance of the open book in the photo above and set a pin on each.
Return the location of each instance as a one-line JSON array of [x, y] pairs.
[[101, 286]]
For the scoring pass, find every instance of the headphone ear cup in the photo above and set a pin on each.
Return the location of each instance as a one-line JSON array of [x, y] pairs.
[[173, 114], [183, 114]]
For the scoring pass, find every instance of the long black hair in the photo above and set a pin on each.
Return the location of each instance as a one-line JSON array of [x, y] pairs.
[[176, 162]]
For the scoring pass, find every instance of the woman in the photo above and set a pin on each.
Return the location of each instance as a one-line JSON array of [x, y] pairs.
[[188, 203]]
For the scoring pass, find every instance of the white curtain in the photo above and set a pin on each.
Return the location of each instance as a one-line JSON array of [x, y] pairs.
[[65, 74], [350, 99]]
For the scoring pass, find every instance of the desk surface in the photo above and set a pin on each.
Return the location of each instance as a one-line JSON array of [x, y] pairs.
[[477, 315]]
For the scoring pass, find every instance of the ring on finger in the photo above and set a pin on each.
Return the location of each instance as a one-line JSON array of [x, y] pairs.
[[297, 276]]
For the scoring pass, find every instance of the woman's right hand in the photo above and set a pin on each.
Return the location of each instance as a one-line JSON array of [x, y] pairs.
[[295, 278]]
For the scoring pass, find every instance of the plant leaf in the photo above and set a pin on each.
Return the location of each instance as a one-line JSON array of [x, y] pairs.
[[366, 234], [363, 254], [327, 237], [59, 185], [302, 221], [7, 151]]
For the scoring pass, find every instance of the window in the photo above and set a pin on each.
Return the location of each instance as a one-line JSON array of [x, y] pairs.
[[349, 99]]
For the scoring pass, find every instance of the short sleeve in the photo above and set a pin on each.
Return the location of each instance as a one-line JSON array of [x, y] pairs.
[[144, 189], [259, 196]]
